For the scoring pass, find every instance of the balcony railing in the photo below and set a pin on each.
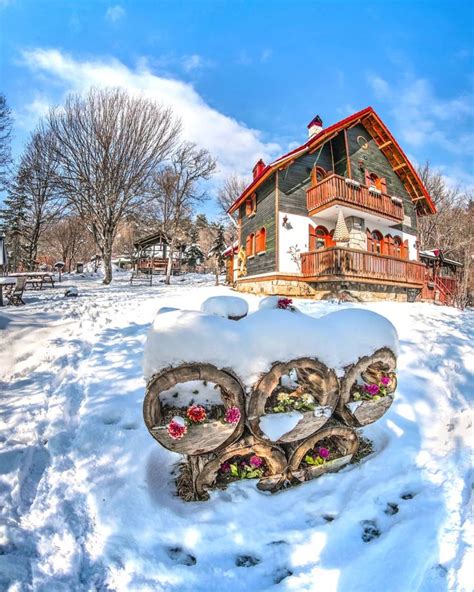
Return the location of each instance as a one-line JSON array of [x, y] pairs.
[[334, 189], [340, 263]]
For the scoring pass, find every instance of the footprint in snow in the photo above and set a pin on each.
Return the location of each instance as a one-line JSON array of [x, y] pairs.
[[370, 530], [179, 555], [246, 561], [281, 574], [110, 420], [328, 517], [391, 509], [408, 495], [130, 426]]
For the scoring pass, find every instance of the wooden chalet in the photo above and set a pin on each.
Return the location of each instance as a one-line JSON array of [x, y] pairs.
[[336, 216]]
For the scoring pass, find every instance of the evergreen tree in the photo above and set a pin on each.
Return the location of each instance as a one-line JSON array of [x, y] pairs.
[[13, 224], [217, 249], [194, 254]]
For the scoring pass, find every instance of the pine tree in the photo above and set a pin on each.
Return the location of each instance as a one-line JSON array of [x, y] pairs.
[[194, 254], [217, 249], [13, 224]]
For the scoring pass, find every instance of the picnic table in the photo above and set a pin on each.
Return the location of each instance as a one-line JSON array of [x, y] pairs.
[[5, 281], [36, 278]]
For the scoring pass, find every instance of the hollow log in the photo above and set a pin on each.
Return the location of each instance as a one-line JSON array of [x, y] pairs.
[[317, 379], [205, 469], [344, 443], [370, 369], [212, 435]]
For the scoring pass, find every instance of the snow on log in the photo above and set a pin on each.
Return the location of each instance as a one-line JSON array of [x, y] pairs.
[[251, 346], [200, 425], [325, 452], [266, 463], [227, 307], [367, 388], [283, 410]]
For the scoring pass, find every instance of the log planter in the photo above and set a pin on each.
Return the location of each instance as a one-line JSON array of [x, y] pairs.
[[314, 378], [202, 438], [370, 369], [207, 472], [341, 442]]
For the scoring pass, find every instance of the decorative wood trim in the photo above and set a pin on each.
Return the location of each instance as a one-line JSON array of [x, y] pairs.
[[400, 166], [385, 144], [277, 222]]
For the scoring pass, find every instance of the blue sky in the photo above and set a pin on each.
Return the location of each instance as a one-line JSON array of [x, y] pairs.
[[247, 76]]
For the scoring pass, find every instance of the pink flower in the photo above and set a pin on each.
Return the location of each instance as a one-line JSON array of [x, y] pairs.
[[371, 389], [256, 461], [323, 452], [176, 430], [225, 467], [232, 415], [196, 413], [285, 303], [385, 380]]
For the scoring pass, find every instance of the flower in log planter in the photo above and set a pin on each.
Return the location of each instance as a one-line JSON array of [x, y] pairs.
[[292, 401], [243, 460], [367, 389], [194, 409], [326, 452]]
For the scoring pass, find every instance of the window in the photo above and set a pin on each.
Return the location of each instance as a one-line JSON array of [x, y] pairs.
[[317, 174], [260, 240], [374, 241], [319, 238], [249, 245], [397, 247], [373, 180], [251, 205]]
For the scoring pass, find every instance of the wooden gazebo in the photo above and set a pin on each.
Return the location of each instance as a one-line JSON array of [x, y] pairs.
[[151, 256]]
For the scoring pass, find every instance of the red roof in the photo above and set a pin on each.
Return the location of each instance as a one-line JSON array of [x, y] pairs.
[[323, 135]]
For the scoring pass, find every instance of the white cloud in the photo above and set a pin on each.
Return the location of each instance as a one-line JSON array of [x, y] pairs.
[[236, 146], [194, 62], [114, 13], [422, 118]]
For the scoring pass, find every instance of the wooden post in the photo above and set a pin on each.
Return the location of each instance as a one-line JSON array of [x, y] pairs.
[[277, 224], [349, 170]]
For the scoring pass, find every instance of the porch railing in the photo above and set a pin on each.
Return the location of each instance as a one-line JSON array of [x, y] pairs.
[[334, 188], [338, 262]]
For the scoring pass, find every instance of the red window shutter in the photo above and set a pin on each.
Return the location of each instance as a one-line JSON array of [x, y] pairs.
[[368, 180], [383, 184], [404, 250]]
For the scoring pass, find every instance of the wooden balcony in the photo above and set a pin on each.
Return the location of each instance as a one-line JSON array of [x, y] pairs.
[[338, 263], [333, 190]]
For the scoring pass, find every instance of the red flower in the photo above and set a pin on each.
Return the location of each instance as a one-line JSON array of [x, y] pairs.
[[232, 415], [196, 413], [176, 430], [285, 303]]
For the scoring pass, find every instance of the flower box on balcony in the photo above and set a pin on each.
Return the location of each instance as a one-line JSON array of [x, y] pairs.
[[352, 182], [374, 190]]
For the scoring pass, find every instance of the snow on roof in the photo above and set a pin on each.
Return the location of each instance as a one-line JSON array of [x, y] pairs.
[[438, 254], [250, 346]]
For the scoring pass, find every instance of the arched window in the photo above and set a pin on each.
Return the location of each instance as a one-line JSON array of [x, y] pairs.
[[251, 205], [374, 241], [373, 180], [319, 238], [261, 240], [249, 245], [317, 174], [397, 247]]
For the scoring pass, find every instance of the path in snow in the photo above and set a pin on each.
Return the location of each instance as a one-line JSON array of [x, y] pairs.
[[87, 496]]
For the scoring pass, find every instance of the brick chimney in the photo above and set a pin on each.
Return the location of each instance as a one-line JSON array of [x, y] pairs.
[[315, 126], [258, 168]]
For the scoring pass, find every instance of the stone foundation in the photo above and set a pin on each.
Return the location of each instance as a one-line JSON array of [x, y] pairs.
[[350, 291]]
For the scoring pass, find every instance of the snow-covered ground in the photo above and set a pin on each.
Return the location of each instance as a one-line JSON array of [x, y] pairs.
[[87, 496]]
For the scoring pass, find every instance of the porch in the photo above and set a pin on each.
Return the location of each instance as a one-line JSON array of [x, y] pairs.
[[338, 263], [334, 190]]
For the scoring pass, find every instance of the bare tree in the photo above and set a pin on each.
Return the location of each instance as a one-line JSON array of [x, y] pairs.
[[68, 240], [35, 191], [178, 191], [5, 140], [230, 190], [109, 144], [451, 228]]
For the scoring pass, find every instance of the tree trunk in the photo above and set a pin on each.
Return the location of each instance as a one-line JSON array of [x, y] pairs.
[[217, 274], [169, 266]]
